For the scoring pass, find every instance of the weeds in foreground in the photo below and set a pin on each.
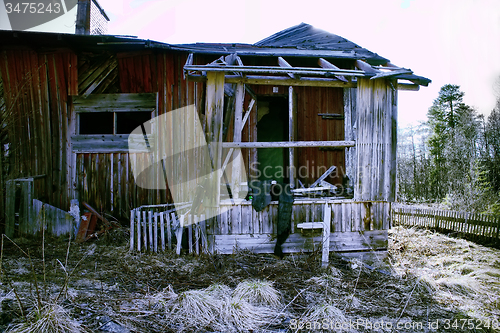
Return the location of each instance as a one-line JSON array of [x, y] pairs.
[[46, 315], [218, 307], [51, 318]]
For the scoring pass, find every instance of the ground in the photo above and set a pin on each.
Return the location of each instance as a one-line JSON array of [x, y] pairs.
[[429, 283]]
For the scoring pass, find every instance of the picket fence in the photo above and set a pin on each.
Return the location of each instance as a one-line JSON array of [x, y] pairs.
[[472, 225]]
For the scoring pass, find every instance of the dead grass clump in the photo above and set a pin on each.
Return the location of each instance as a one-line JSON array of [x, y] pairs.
[[464, 285], [323, 316], [219, 308], [194, 309], [220, 291], [258, 292], [51, 318], [241, 316]]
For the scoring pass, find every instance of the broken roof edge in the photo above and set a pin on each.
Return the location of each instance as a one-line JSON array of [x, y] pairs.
[[226, 49]]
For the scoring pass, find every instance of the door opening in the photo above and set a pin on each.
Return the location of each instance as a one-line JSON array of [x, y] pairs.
[[272, 125]]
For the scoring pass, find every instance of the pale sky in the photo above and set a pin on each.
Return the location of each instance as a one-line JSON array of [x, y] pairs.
[[448, 41]]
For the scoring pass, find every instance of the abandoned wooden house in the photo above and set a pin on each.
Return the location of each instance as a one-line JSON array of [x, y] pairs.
[[302, 100]]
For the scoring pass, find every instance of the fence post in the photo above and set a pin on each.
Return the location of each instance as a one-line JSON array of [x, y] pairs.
[[132, 213], [10, 209], [498, 230]]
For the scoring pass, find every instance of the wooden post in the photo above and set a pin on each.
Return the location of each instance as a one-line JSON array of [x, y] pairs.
[[138, 231], [155, 232], [132, 213], [179, 233], [144, 229], [25, 210], [10, 213], [162, 230], [291, 134], [150, 229], [327, 220], [350, 134], [203, 234], [238, 121], [169, 231], [190, 233], [196, 235], [214, 116]]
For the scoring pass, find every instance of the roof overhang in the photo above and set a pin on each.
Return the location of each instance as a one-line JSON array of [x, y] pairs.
[[325, 75]]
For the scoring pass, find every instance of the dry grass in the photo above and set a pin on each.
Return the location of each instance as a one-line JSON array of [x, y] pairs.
[[220, 308], [258, 292], [437, 278], [51, 318], [457, 272], [322, 317]]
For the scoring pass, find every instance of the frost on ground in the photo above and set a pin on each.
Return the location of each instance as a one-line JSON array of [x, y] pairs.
[[431, 283]]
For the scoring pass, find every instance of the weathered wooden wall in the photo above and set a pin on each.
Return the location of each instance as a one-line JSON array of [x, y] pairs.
[[355, 226], [376, 140], [105, 180], [312, 101], [40, 119], [36, 90]]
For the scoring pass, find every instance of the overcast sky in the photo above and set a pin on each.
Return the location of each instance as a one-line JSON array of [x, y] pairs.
[[448, 41]]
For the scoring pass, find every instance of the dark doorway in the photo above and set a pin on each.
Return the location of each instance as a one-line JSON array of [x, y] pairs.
[[272, 125]]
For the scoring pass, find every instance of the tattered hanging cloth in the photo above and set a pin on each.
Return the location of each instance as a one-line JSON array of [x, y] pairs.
[[261, 194], [285, 205]]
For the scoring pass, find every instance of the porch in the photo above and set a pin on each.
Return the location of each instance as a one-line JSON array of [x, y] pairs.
[[343, 226]]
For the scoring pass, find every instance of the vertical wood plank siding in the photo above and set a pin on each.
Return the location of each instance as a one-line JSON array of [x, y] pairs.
[[376, 141], [355, 226], [311, 127], [40, 120], [36, 89]]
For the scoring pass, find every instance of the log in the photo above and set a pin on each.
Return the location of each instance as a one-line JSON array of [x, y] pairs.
[[276, 70], [326, 64], [280, 81], [283, 63], [327, 219], [286, 144]]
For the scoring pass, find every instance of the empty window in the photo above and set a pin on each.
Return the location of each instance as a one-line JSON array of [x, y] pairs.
[[112, 122]]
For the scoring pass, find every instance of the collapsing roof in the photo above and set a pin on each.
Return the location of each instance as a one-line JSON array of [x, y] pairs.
[[302, 41]]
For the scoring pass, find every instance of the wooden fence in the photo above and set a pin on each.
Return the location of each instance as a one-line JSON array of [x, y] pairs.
[[157, 227], [475, 226]]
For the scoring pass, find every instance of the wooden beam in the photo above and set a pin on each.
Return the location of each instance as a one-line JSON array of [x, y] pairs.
[[10, 208], [323, 176], [391, 73], [405, 86], [326, 64], [275, 70], [331, 116], [115, 102], [327, 220], [286, 144], [108, 143], [238, 127], [283, 81], [247, 114], [214, 116], [283, 63], [367, 68], [291, 135], [189, 61]]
